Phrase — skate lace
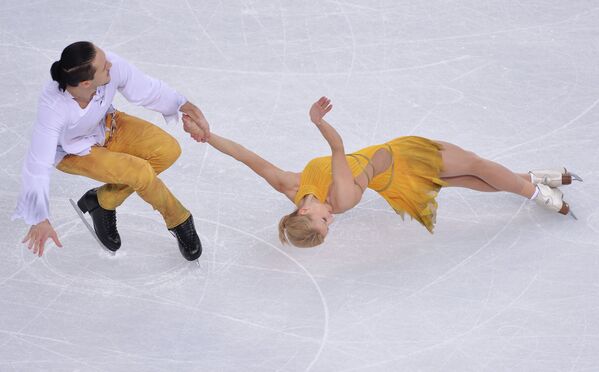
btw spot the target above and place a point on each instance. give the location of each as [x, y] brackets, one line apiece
[110, 221]
[185, 233]
[188, 233]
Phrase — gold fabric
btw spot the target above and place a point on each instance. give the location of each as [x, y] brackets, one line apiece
[410, 185]
[135, 153]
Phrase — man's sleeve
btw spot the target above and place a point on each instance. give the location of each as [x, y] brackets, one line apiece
[143, 90]
[33, 204]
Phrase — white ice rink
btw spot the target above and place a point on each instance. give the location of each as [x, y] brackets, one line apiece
[502, 285]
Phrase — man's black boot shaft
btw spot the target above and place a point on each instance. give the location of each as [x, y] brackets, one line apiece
[104, 220]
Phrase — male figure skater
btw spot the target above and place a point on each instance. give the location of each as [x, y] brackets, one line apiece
[78, 131]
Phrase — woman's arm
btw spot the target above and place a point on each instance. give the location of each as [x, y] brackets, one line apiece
[345, 193]
[282, 181]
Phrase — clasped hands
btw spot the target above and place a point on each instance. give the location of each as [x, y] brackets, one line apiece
[194, 122]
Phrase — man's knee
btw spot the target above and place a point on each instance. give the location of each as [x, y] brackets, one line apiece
[141, 176]
[170, 152]
[175, 149]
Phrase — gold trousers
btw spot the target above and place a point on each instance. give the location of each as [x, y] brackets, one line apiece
[131, 159]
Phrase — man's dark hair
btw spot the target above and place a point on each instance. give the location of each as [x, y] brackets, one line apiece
[75, 65]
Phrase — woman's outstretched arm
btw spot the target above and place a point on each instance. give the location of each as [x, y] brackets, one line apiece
[282, 181]
[345, 193]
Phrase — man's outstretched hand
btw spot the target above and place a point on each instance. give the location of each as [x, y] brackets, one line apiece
[194, 122]
[37, 236]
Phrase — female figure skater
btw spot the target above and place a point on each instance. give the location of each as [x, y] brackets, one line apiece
[407, 172]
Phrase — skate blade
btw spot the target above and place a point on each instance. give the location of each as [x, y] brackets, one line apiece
[573, 215]
[576, 177]
[566, 211]
[91, 229]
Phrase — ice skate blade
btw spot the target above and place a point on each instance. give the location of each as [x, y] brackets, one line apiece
[573, 215]
[565, 210]
[576, 177]
[91, 229]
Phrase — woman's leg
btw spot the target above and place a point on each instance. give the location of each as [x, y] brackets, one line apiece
[458, 163]
[469, 182]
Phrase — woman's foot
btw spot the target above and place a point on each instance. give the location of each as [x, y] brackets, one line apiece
[552, 199]
[553, 177]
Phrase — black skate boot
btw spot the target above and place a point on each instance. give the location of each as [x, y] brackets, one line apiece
[104, 220]
[189, 242]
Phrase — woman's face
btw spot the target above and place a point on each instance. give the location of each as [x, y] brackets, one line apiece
[320, 214]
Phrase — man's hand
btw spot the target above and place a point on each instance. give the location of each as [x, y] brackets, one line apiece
[37, 236]
[194, 131]
[194, 122]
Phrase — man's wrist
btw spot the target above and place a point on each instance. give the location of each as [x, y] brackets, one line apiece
[42, 222]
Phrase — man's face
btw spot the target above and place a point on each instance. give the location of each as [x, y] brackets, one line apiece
[102, 65]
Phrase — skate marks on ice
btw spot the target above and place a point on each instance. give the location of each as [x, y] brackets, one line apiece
[159, 273]
[234, 291]
[593, 222]
[325, 308]
[183, 291]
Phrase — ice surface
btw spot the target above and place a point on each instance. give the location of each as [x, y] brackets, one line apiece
[502, 285]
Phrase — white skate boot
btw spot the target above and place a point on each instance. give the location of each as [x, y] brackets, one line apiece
[552, 199]
[553, 177]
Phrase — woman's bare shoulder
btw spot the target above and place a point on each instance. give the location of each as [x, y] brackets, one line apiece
[290, 184]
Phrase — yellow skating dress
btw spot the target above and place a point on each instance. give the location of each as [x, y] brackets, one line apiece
[409, 185]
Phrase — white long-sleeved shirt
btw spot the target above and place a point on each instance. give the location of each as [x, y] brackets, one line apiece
[62, 127]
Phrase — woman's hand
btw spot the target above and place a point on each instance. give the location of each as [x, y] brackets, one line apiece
[193, 129]
[317, 112]
[196, 124]
[319, 109]
[37, 236]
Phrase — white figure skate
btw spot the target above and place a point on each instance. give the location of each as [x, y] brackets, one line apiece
[553, 177]
[553, 199]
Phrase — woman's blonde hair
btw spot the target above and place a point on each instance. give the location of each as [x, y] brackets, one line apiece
[297, 230]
